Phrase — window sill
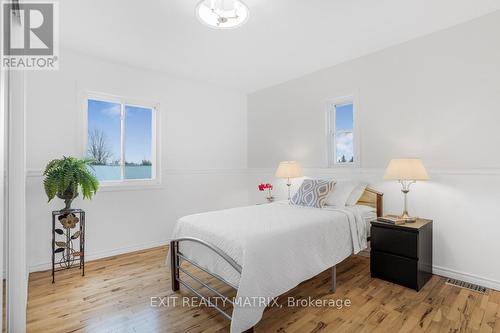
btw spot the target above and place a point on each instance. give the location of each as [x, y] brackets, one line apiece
[344, 166]
[131, 185]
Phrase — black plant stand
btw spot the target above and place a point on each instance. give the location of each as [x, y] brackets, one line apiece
[69, 230]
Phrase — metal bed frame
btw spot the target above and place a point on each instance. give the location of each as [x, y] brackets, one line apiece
[370, 197]
[176, 258]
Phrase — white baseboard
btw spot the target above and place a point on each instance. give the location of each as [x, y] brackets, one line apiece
[437, 270]
[450, 273]
[103, 254]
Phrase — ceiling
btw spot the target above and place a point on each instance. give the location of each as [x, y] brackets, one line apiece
[282, 40]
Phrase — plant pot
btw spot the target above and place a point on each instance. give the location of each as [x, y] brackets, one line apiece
[68, 197]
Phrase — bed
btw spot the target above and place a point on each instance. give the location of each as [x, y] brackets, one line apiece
[263, 251]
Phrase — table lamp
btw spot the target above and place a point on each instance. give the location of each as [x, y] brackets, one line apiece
[289, 170]
[406, 171]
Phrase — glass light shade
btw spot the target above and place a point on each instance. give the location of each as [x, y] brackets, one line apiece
[289, 169]
[406, 169]
[222, 14]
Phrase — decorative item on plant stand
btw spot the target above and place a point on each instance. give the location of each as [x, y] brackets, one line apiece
[269, 188]
[68, 253]
[64, 176]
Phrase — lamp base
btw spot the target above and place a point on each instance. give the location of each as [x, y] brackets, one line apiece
[407, 218]
[288, 184]
[405, 189]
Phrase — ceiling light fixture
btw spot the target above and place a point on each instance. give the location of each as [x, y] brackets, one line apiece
[222, 14]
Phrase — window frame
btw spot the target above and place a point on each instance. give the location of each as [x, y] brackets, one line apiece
[123, 183]
[331, 110]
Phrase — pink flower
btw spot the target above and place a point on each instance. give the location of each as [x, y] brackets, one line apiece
[266, 186]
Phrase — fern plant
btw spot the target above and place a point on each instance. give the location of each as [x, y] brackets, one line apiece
[64, 177]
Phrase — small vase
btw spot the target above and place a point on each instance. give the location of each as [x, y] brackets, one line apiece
[270, 199]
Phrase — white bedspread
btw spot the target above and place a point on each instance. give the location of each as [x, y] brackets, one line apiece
[278, 246]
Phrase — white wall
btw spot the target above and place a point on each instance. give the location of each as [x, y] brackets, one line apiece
[423, 98]
[436, 97]
[17, 282]
[203, 140]
[15, 191]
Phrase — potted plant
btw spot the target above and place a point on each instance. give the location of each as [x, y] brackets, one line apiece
[63, 178]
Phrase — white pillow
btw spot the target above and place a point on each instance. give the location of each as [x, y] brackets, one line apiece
[313, 193]
[356, 194]
[365, 210]
[296, 184]
[345, 193]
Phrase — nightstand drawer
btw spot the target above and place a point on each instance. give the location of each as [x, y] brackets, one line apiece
[395, 241]
[394, 268]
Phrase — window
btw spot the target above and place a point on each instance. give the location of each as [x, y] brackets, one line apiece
[121, 139]
[341, 133]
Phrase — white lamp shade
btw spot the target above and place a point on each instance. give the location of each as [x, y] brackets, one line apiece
[406, 169]
[289, 169]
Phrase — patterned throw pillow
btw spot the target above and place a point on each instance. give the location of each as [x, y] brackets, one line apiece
[313, 193]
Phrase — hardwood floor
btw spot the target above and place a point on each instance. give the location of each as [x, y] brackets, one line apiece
[115, 296]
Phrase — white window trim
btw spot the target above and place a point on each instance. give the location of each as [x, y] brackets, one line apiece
[126, 184]
[330, 131]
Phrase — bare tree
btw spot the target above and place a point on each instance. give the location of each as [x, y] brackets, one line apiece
[98, 148]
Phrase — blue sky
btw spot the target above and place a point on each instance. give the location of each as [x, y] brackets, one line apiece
[105, 116]
[137, 134]
[344, 122]
[344, 119]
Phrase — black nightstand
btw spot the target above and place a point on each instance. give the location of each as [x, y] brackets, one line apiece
[402, 253]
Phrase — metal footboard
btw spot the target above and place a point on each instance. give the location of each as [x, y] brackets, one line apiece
[176, 258]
